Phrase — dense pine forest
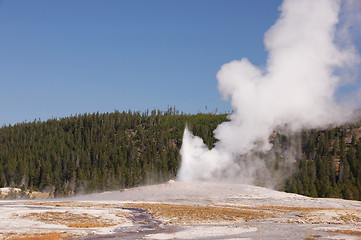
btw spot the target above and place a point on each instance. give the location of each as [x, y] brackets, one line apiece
[329, 164]
[97, 152]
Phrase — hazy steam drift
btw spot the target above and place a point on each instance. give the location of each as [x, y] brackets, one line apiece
[295, 91]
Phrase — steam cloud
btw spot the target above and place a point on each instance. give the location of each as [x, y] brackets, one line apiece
[310, 55]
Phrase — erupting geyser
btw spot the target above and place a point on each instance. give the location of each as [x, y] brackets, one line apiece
[309, 54]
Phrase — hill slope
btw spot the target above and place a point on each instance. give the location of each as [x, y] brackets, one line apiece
[98, 152]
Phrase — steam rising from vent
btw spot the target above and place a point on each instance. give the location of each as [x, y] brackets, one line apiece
[309, 54]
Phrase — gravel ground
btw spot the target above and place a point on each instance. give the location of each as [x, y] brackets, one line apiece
[177, 210]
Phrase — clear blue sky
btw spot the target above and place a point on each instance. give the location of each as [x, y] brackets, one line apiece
[61, 58]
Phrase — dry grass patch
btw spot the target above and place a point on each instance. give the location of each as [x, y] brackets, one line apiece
[43, 236]
[288, 208]
[278, 208]
[189, 214]
[40, 236]
[332, 216]
[73, 220]
[310, 215]
[328, 216]
[276, 211]
[345, 231]
[349, 217]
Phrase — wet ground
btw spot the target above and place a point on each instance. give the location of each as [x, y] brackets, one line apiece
[144, 225]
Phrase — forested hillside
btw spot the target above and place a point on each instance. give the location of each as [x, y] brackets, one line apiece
[330, 163]
[98, 152]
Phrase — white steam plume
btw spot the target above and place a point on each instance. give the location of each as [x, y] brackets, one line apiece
[295, 91]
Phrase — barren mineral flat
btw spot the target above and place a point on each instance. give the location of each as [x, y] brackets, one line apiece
[178, 210]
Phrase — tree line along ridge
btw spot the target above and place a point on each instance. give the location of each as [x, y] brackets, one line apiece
[98, 152]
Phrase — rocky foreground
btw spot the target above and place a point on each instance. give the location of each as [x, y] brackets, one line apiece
[177, 210]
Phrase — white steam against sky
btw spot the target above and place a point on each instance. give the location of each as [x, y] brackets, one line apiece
[309, 53]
